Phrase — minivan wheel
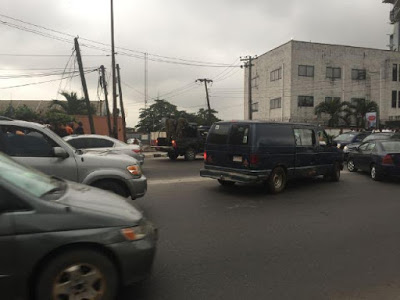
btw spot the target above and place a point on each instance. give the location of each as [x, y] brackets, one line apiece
[111, 186]
[226, 182]
[190, 154]
[374, 174]
[277, 180]
[78, 274]
[351, 166]
[334, 174]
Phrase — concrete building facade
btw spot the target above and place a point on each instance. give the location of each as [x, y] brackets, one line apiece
[394, 17]
[289, 81]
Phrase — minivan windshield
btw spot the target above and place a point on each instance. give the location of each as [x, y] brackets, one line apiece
[26, 179]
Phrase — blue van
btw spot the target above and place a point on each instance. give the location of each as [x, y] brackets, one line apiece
[270, 153]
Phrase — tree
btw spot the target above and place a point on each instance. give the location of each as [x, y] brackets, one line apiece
[334, 109]
[56, 118]
[9, 112]
[202, 117]
[73, 105]
[360, 107]
[150, 119]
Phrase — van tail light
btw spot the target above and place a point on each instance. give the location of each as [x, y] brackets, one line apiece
[387, 160]
[254, 159]
[174, 144]
[156, 142]
[136, 150]
[205, 156]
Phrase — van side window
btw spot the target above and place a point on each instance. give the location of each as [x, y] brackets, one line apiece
[323, 138]
[304, 137]
[274, 135]
[239, 135]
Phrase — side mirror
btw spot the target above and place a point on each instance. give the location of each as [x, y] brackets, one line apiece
[60, 152]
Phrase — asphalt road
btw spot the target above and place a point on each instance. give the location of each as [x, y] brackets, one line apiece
[317, 240]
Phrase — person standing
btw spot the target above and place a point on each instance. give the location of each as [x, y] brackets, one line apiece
[79, 129]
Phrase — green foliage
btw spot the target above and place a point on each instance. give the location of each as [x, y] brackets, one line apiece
[57, 118]
[25, 113]
[9, 112]
[151, 118]
[334, 109]
[360, 108]
[73, 105]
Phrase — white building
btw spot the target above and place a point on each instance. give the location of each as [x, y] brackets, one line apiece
[290, 80]
[394, 42]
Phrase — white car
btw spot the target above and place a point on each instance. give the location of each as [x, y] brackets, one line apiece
[96, 142]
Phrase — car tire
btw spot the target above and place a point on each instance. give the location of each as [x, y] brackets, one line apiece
[226, 182]
[190, 154]
[375, 174]
[351, 167]
[112, 186]
[89, 273]
[334, 174]
[277, 180]
[172, 155]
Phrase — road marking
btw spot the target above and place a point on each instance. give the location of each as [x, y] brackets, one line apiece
[178, 180]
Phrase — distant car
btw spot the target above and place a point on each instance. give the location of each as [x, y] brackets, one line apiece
[101, 142]
[135, 142]
[37, 146]
[381, 158]
[350, 137]
[63, 240]
[372, 137]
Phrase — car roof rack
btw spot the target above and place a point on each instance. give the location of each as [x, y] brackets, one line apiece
[2, 118]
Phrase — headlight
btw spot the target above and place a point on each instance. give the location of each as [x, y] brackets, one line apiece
[346, 149]
[134, 170]
[338, 145]
[134, 233]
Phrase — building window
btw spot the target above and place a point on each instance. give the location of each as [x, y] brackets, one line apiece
[329, 99]
[275, 103]
[355, 100]
[276, 74]
[333, 73]
[307, 71]
[358, 74]
[254, 107]
[305, 101]
[394, 75]
[394, 99]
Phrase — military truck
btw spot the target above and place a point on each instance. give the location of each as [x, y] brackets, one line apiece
[183, 139]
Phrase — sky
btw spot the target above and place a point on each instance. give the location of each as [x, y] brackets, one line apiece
[182, 39]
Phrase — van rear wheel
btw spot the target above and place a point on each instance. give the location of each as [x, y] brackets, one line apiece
[172, 155]
[277, 180]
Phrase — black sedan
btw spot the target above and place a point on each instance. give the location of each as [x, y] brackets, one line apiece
[371, 137]
[63, 240]
[350, 137]
[381, 158]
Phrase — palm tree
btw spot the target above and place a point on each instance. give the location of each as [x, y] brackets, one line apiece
[73, 105]
[360, 108]
[334, 109]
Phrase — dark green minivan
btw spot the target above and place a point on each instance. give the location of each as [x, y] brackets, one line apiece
[271, 153]
[63, 240]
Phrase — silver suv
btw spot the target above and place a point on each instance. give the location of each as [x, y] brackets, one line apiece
[37, 146]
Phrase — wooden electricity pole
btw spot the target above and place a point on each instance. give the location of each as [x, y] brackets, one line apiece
[84, 86]
[208, 98]
[104, 84]
[248, 64]
[114, 83]
[121, 104]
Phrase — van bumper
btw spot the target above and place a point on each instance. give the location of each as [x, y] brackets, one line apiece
[245, 176]
[137, 186]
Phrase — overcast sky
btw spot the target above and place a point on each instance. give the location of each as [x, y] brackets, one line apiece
[218, 31]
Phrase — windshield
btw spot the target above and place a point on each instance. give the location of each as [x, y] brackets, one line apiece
[379, 136]
[26, 179]
[345, 137]
[391, 146]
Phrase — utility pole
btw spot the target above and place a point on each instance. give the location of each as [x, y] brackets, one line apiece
[84, 86]
[114, 83]
[248, 64]
[104, 84]
[146, 74]
[205, 80]
[121, 104]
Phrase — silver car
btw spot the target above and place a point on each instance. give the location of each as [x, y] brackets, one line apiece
[96, 142]
[37, 146]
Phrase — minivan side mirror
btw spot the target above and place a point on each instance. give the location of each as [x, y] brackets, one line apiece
[333, 143]
[60, 152]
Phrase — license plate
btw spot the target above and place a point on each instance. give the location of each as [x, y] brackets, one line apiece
[237, 158]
